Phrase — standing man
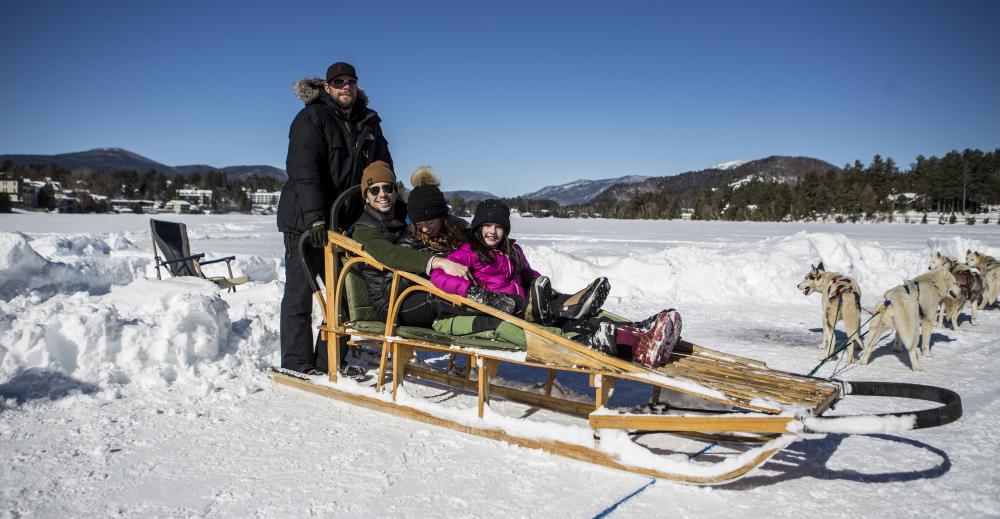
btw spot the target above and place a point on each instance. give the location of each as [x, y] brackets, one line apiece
[330, 142]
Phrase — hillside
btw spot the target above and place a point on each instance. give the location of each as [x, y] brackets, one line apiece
[580, 191]
[118, 159]
[686, 185]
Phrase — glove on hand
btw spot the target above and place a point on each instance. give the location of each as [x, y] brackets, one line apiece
[498, 300]
[317, 234]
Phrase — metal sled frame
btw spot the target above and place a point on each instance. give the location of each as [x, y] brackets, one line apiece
[769, 407]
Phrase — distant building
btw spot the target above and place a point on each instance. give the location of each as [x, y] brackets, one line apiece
[178, 207]
[261, 197]
[196, 196]
[10, 187]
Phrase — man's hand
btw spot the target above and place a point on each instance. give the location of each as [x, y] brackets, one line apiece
[317, 234]
[451, 268]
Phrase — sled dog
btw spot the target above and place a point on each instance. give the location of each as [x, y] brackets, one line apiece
[969, 281]
[910, 310]
[841, 300]
[989, 268]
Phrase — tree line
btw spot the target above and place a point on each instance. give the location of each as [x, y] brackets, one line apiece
[956, 183]
[959, 182]
[132, 185]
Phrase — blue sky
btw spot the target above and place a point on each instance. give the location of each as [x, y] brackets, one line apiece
[510, 97]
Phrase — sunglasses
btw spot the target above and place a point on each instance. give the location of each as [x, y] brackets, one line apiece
[340, 82]
[377, 190]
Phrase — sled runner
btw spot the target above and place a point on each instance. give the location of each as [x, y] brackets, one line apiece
[749, 410]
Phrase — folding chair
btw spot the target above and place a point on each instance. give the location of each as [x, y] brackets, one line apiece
[172, 240]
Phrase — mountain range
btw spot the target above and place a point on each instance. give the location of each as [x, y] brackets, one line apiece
[580, 191]
[117, 159]
[599, 192]
[470, 196]
[686, 185]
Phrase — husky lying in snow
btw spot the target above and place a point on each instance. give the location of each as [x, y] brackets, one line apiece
[969, 281]
[841, 301]
[910, 310]
[989, 268]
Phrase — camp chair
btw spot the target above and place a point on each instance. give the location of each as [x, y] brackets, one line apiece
[172, 239]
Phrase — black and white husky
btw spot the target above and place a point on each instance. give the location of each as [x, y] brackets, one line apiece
[841, 301]
[968, 280]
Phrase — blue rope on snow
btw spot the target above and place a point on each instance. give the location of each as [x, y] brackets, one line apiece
[703, 451]
[612, 508]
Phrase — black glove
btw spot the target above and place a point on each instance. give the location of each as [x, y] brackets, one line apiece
[317, 234]
[498, 300]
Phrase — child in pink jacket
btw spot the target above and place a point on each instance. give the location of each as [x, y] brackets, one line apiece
[502, 278]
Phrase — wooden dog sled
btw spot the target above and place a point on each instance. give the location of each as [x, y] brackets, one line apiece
[753, 410]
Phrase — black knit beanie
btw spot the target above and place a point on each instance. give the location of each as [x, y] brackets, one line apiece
[491, 211]
[426, 203]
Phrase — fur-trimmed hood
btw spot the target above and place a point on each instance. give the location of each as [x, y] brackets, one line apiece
[309, 89]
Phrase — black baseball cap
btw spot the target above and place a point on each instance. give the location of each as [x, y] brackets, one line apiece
[340, 69]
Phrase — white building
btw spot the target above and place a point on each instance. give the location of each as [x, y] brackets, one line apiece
[196, 196]
[178, 207]
[10, 188]
[261, 197]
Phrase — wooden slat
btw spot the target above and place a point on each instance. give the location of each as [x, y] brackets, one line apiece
[765, 382]
[753, 373]
[751, 424]
[728, 383]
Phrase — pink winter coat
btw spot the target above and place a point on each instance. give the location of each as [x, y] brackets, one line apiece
[496, 276]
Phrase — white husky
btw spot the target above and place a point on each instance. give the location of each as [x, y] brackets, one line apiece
[989, 268]
[969, 281]
[910, 309]
[841, 301]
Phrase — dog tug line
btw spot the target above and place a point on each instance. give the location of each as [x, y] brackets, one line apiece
[752, 410]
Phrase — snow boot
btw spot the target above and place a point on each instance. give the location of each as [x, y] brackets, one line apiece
[582, 305]
[655, 343]
[603, 339]
[539, 298]
[498, 300]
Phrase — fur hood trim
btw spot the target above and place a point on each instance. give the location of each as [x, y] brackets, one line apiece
[308, 90]
[424, 176]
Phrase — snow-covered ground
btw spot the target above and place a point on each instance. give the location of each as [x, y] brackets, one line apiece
[124, 395]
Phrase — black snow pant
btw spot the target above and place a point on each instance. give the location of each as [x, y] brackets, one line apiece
[297, 351]
[422, 309]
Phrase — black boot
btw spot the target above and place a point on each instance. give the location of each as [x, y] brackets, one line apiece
[539, 299]
[582, 305]
[498, 300]
[603, 339]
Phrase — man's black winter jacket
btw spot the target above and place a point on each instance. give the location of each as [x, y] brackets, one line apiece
[327, 151]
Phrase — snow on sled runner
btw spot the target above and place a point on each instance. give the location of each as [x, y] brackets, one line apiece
[751, 411]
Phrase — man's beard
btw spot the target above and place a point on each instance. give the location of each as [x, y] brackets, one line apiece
[345, 104]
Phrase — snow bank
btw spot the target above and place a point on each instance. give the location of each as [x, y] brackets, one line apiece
[24, 271]
[151, 332]
[758, 272]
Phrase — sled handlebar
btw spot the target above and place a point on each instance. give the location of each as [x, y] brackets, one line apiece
[334, 224]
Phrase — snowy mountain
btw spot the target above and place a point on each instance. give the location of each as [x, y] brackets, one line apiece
[729, 165]
[686, 185]
[580, 191]
[118, 159]
[470, 196]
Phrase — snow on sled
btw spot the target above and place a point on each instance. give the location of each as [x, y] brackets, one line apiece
[745, 412]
